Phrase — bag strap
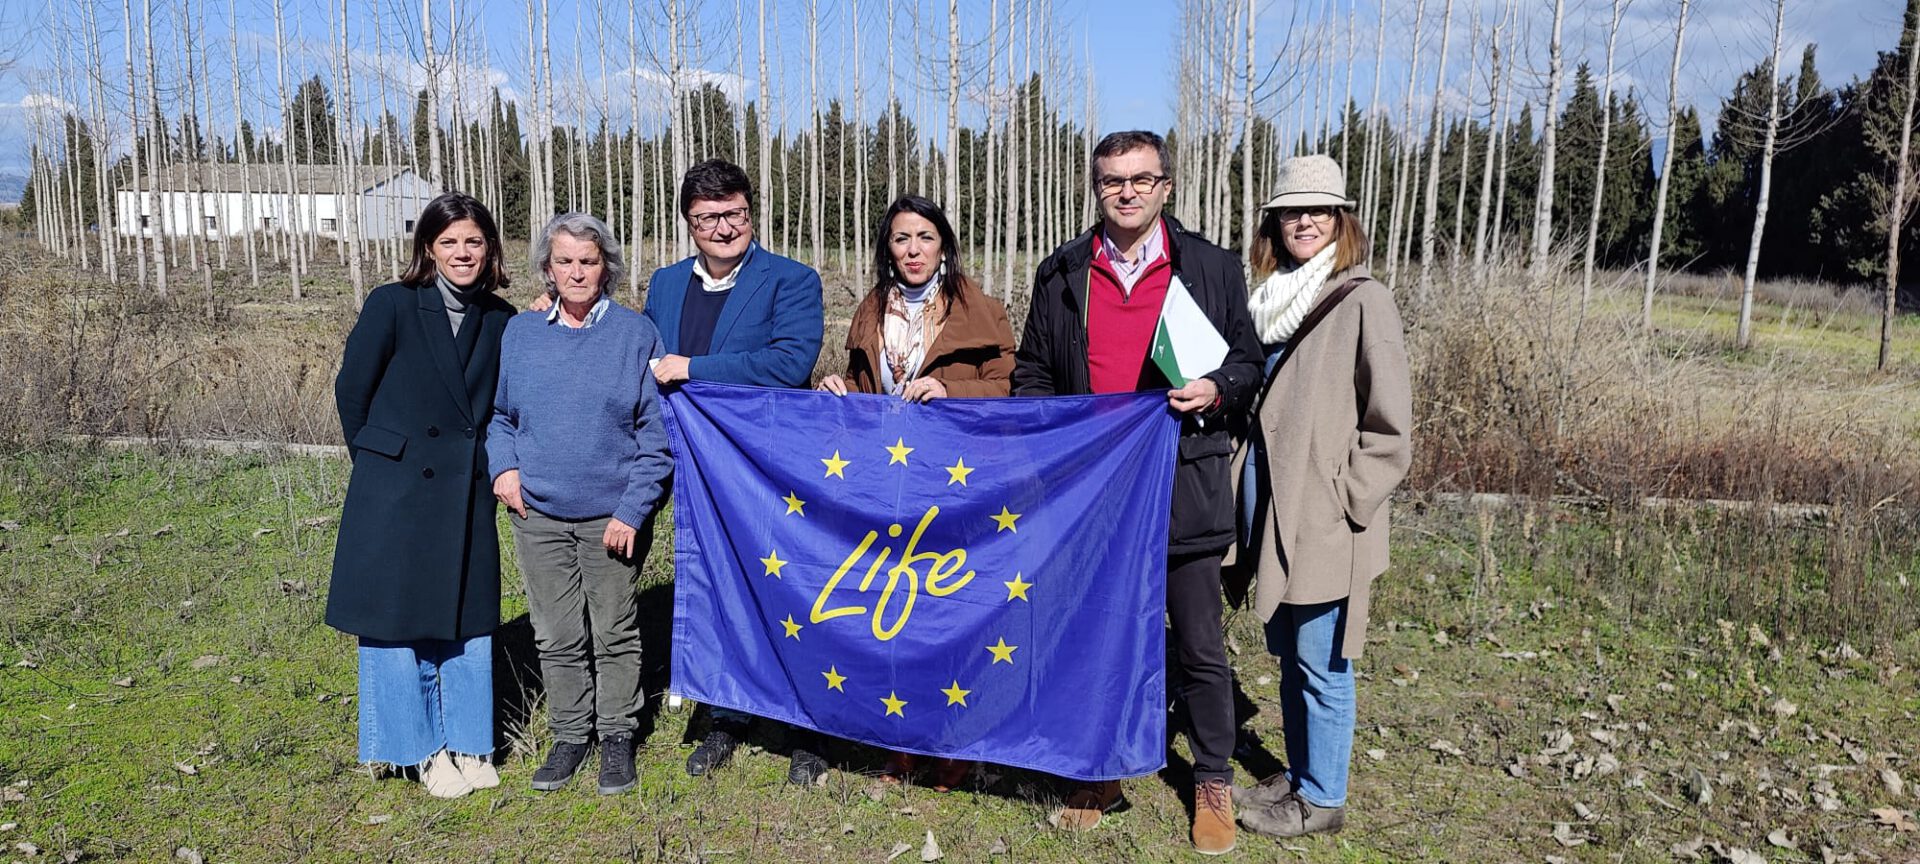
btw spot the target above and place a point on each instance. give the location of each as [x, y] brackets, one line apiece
[1320, 311]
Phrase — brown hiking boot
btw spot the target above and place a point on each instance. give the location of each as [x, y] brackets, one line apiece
[1213, 830]
[1293, 816]
[1084, 807]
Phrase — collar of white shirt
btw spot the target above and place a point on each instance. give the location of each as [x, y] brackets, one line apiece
[1151, 249]
[708, 283]
[594, 315]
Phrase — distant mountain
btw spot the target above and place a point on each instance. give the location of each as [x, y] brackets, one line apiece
[12, 186]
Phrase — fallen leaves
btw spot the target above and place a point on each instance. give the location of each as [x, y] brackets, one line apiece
[930, 850]
[1444, 746]
[1782, 708]
[1891, 779]
[1894, 818]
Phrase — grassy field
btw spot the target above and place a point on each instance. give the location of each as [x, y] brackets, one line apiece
[1528, 695]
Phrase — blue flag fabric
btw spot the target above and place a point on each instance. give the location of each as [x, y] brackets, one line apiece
[975, 578]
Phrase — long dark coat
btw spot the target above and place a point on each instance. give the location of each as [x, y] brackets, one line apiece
[1052, 360]
[418, 555]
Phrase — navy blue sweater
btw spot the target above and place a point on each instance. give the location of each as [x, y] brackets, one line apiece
[577, 412]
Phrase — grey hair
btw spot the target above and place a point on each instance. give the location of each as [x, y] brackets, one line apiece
[580, 226]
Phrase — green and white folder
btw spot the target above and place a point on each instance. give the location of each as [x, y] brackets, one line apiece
[1185, 344]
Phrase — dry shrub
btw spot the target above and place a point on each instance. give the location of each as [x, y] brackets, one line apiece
[1516, 393]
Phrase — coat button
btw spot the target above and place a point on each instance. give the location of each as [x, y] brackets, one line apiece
[427, 473]
[469, 431]
[433, 431]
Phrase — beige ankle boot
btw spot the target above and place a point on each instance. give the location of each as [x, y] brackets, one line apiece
[442, 779]
[477, 771]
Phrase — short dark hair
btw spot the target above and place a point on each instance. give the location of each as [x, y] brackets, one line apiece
[442, 212]
[714, 180]
[1116, 143]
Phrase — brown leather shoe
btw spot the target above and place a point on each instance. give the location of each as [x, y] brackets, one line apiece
[1084, 807]
[1293, 816]
[1213, 830]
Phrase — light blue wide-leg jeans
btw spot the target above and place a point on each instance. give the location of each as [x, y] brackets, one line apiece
[419, 698]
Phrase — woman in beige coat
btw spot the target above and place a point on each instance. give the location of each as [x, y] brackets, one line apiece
[1330, 442]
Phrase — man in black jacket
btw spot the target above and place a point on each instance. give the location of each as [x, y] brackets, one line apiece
[1096, 304]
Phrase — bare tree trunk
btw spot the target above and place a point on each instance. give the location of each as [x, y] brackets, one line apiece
[953, 101]
[1466, 142]
[1600, 165]
[133, 152]
[1405, 156]
[1436, 144]
[639, 170]
[893, 123]
[1010, 218]
[1666, 173]
[766, 106]
[992, 268]
[1496, 131]
[858, 128]
[1766, 179]
[103, 193]
[296, 257]
[1370, 184]
[350, 191]
[156, 138]
[435, 175]
[1549, 141]
[816, 207]
[1897, 218]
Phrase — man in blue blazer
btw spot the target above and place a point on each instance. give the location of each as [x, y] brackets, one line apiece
[739, 314]
[734, 312]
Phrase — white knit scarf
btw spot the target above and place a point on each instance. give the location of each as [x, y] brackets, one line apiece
[1282, 300]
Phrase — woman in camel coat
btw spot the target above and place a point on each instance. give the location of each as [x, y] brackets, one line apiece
[1332, 439]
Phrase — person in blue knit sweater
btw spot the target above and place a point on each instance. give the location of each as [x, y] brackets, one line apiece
[579, 454]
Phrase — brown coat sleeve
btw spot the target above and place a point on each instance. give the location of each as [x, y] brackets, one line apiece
[995, 376]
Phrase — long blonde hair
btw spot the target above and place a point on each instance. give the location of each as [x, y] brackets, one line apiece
[1269, 250]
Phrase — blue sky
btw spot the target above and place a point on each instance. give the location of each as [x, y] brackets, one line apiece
[1130, 46]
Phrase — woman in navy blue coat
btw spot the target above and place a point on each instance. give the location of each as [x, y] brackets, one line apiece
[416, 572]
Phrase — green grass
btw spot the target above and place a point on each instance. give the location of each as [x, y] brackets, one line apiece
[216, 622]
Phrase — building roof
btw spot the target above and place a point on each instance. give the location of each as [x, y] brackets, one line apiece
[266, 177]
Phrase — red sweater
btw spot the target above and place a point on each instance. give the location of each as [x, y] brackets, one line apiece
[1120, 327]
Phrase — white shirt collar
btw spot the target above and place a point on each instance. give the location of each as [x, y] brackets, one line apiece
[708, 283]
[594, 315]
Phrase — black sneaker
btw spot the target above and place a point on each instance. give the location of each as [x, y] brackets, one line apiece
[563, 761]
[616, 764]
[806, 768]
[712, 752]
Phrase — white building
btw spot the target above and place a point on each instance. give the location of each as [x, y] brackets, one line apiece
[390, 198]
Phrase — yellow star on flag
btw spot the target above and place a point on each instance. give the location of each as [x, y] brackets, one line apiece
[894, 703]
[1001, 652]
[773, 564]
[1004, 518]
[794, 504]
[836, 465]
[899, 452]
[1018, 588]
[958, 472]
[835, 679]
[955, 695]
[793, 629]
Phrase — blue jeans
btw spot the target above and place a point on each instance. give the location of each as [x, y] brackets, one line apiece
[419, 698]
[1316, 698]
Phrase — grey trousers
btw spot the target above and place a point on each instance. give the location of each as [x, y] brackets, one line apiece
[578, 591]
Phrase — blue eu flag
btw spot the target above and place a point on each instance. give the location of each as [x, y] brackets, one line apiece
[975, 578]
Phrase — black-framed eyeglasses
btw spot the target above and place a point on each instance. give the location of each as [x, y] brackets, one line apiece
[1293, 215]
[737, 217]
[1142, 184]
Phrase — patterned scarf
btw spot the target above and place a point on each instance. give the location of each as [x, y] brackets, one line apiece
[906, 333]
[1283, 299]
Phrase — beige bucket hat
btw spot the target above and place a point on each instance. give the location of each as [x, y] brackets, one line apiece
[1310, 181]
